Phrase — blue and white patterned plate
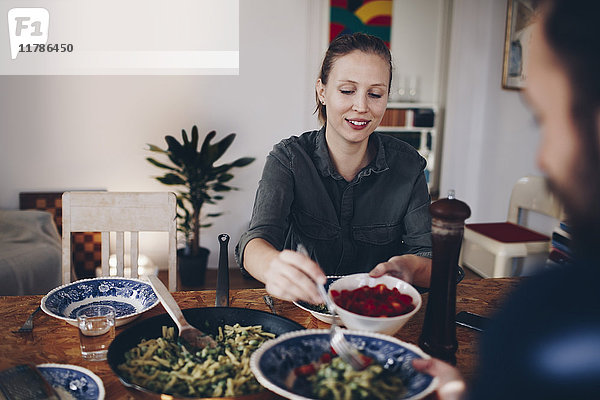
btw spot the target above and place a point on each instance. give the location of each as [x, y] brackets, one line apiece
[79, 382]
[275, 359]
[130, 297]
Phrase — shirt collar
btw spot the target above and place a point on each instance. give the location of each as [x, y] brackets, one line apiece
[325, 165]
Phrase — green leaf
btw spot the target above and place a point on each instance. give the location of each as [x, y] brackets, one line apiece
[171, 179]
[157, 149]
[173, 145]
[205, 149]
[217, 187]
[242, 162]
[160, 165]
[175, 151]
[185, 153]
[221, 169]
[224, 177]
[195, 138]
[221, 147]
[181, 197]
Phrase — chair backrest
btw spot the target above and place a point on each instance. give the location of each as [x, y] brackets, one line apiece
[119, 212]
[531, 193]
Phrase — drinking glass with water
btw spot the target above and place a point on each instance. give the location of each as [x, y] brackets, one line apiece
[96, 331]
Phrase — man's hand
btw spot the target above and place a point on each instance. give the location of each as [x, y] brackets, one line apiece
[451, 386]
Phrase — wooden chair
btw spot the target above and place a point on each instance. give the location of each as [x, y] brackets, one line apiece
[108, 212]
[490, 248]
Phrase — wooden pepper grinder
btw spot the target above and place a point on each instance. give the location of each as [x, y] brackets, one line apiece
[438, 337]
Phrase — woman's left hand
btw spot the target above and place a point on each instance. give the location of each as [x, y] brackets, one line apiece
[409, 267]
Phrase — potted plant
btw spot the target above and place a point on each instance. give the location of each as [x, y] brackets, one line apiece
[203, 183]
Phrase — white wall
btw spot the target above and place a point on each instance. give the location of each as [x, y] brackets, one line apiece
[60, 133]
[490, 140]
[416, 46]
[78, 132]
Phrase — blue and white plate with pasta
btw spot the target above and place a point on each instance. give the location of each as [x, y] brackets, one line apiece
[301, 366]
[73, 381]
[130, 298]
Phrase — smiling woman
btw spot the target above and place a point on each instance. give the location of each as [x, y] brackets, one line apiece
[354, 198]
[355, 98]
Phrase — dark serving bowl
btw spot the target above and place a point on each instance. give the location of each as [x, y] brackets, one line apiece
[207, 319]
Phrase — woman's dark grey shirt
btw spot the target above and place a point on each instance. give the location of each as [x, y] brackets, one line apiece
[347, 227]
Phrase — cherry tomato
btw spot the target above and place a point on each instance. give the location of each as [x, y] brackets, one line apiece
[325, 358]
[305, 370]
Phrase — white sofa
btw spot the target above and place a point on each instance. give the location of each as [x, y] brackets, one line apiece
[30, 252]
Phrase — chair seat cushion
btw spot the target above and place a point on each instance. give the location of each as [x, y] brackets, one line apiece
[507, 232]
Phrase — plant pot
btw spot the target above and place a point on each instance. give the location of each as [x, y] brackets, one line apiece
[192, 269]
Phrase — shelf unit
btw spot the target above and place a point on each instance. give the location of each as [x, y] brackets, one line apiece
[416, 124]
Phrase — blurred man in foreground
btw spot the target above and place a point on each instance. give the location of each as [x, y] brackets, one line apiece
[545, 342]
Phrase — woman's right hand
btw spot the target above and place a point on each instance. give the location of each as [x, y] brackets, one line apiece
[291, 276]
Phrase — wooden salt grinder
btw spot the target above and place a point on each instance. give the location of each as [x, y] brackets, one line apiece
[438, 337]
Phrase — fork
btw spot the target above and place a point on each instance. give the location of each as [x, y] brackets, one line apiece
[269, 301]
[342, 347]
[338, 341]
[28, 325]
[345, 349]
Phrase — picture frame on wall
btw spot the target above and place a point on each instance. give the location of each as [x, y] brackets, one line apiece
[519, 24]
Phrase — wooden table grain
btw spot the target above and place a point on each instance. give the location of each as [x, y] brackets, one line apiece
[55, 341]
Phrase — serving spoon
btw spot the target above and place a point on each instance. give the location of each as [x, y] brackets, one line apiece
[191, 338]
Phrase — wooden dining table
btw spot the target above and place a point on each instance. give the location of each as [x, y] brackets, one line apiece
[55, 341]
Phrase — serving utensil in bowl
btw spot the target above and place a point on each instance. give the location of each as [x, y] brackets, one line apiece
[210, 319]
[190, 337]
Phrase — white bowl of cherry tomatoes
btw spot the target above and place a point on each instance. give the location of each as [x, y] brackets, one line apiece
[382, 304]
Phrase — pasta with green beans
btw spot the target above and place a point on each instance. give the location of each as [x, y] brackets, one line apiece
[162, 365]
[337, 380]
